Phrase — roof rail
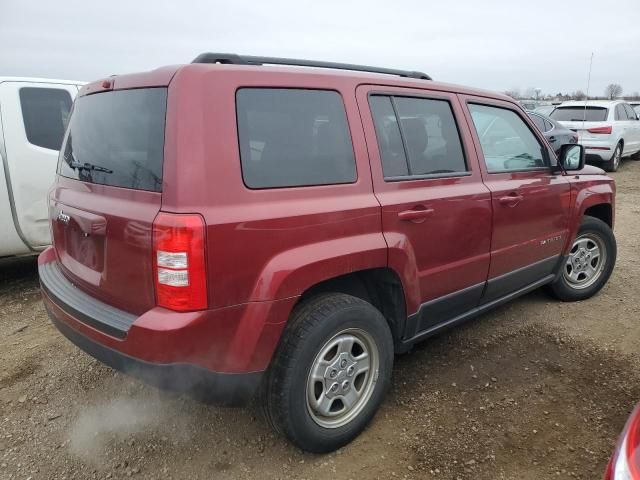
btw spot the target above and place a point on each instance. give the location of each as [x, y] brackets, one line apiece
[234, 59]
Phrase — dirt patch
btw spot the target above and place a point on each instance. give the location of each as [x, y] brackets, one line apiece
[531, 401]
[536, 389]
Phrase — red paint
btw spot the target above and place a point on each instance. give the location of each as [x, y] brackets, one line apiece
[264, 248]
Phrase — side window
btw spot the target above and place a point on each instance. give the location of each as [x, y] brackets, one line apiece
[431, 137]
[394, 161]
[506, 141]
[424, 142]
[539, 121]
[45, 112]
[620, 113]
[293, 137]
[548, 126]
[631, 115]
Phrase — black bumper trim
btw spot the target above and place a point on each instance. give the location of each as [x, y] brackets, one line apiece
[221, 388]
[81, 306]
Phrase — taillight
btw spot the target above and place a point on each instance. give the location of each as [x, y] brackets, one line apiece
[605, 130]
[179, 262]
[625, 463]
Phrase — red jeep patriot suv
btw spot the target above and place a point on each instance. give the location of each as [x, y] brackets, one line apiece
[240, 229]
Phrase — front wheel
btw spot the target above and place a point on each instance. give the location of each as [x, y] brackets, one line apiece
[589, 264]
[330, 372]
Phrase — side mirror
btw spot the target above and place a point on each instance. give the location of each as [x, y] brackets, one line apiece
[572, 156]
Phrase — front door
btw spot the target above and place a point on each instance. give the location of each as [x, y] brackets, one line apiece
[436, 212]
[34, 117]
[531, 204]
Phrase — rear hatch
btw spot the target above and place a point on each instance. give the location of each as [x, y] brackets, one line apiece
[589, 122]
[108, 193]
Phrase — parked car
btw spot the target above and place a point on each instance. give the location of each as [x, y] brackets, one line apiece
[529, 104]
[636, 108]
[609, 130]
[625, 462]
[557, 135]
[33, 113]
[545, 110]
[243, 230]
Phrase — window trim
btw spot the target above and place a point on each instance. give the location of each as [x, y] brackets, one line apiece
[24, 124]
[545, 150]
[430, 96]
[281, 87]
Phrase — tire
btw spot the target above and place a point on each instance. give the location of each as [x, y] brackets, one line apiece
[290, 405]
[613, 164]
[575, 280]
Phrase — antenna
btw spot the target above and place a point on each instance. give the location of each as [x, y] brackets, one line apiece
[586, 98]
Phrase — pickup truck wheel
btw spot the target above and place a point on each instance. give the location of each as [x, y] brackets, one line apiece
[589, 263]
[613, 164]
[330, 373]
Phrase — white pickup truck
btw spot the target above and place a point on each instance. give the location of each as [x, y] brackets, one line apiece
[33, 118]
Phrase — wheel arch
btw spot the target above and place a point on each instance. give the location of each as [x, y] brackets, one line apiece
[601, 211]
[382, 287]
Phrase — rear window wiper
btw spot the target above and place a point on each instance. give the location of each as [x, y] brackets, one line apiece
[89, 166]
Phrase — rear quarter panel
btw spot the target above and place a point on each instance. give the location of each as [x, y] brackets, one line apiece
[264, 244]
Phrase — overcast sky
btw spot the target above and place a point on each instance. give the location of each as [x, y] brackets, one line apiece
[494, 44]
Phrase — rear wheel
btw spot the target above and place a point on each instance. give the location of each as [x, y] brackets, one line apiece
[330, 372]
[613, 164]
[589, 264]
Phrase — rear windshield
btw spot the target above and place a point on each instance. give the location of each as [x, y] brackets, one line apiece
[117, 138]
[579, 114]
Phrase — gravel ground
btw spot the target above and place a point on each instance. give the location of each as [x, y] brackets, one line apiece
[536, 389]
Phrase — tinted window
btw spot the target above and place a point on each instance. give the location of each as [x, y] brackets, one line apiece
[507, 143]
[620, 113]
[539, 121]
[578, 114]
[117, 138]
[292, 137]
[548, 126]
[394, 162]
[431, 136]
[45, 112]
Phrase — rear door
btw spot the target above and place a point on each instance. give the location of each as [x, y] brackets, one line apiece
[632, 134]
[108, 194]
[436, 212]
[531, 205]
[34, 118]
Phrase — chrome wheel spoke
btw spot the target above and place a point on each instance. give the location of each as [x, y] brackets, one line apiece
[323, 404]
[319, 369]
[574, 275]
[362, 364]
[350, 398]
[346, 345]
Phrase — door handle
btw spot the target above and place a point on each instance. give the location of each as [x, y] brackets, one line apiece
[511, 200]
[415, 215]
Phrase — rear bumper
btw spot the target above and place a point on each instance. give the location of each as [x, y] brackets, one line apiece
[221, 352]
[222, 388]
[598, 156]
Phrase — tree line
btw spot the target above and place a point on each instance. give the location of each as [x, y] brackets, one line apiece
[612, 91]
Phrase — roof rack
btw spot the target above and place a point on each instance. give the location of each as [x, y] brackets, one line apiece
[234, 59]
